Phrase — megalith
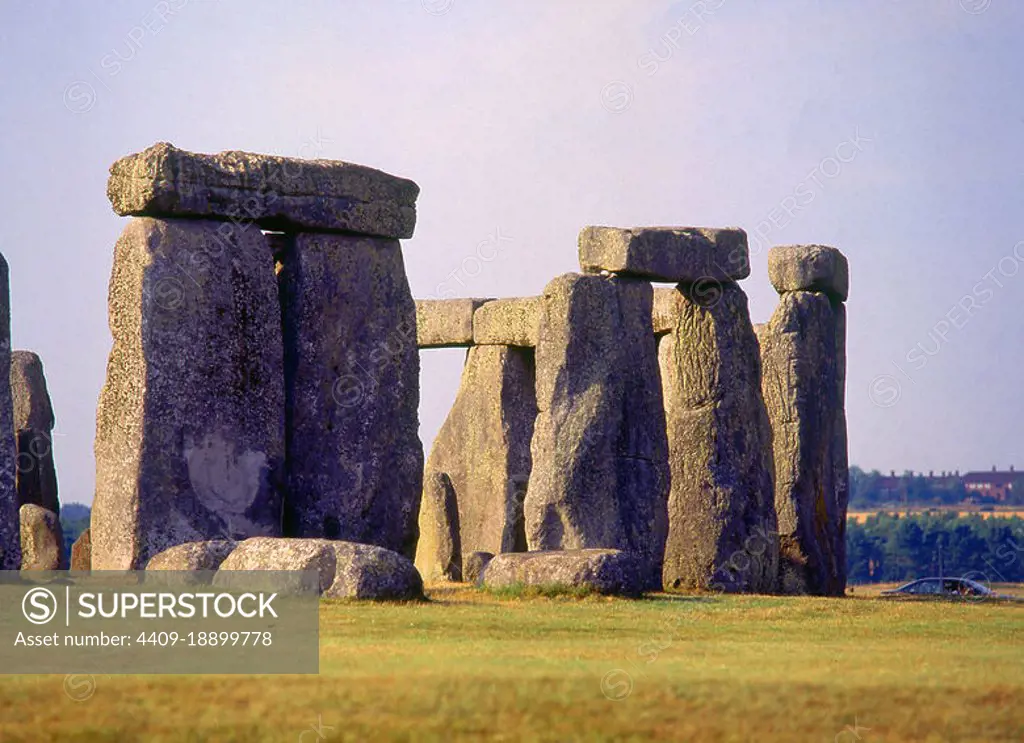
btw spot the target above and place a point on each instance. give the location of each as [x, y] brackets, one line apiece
[803, 354]
[10, 532]
[439, 551]
[721, 507]
[351, 370]
[81, 552]
[483, 448]
[190, 422]
[36, 477]
[42, 540]
[599, 449]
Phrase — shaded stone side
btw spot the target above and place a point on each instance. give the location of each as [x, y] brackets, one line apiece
[355, 461]
[36, 476]
[10, 532]
[801, 386]
[600, 454]
[190, 423]
[840, 454]
[721, 510]
[484, 449]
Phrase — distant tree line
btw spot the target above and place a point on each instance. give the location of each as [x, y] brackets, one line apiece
[892, 548]
[869, 490]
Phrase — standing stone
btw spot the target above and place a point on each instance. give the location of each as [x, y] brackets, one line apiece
[721, 509]
[438, 552]
[801, 390]
[33, 423]
[355, 461]
[190, 423]
[600, 454]
[484, 449]
[81, 552]
[42, 540]
[10, 533]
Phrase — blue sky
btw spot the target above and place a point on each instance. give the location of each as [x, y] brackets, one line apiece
[892, 129]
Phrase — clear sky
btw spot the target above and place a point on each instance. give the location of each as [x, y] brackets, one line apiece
[892, 129]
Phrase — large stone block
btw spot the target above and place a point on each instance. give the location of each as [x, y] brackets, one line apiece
[507, 322]
[193, 556]
[346, 570]
[42, 540]
[799, 351]
[445, 323]
[273, 192]
[676, 254]
[355, 461]
[81, 552]
[483, 447]
[809, 268]
[36, 476]
[439, 551]
[604, 571]
[600, 454]
[190, 422]
[721, 510]
[10, 533]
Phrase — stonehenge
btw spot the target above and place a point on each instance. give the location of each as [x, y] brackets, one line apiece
[263, 380]
[260, 410]
[804, 359]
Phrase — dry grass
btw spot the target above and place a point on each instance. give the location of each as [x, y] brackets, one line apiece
[473, 666]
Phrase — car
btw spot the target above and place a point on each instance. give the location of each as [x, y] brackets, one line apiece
[959, 588]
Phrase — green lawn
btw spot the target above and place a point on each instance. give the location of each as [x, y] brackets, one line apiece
[471, 666]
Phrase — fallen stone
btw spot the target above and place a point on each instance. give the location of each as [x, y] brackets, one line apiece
[599, 448]
[722, 530]
[802, 394]
[10, 535]
[483, 447]
[507, 322]
[355, 461]
[604, 571]
[193, 556]
[42, 540]
[473, 566]
[439, 550]
[81, 552]
[445, 323]
[809, 268]
[273, 192]
[676, 254]
[190, 422]
[346, 570]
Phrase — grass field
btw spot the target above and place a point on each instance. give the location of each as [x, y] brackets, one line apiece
[471, 666]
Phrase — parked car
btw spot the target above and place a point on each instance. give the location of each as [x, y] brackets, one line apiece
[961, 588]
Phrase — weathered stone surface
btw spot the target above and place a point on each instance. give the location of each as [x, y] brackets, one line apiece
[473, 566]
[355, 461]
[676, 254]
[42, 540]
[721, 510]
[802, 393]
[840, 454]
[36, 477]
[273, 192]
[190, 423]
[439, 550]
[809, 268]
[665, 310]
[600, 454]
[507, 322]
[445, 323]
[346, 570]
[10, 535]
[81, 551]
[604, 571]
[484, 448]
[193, 556]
